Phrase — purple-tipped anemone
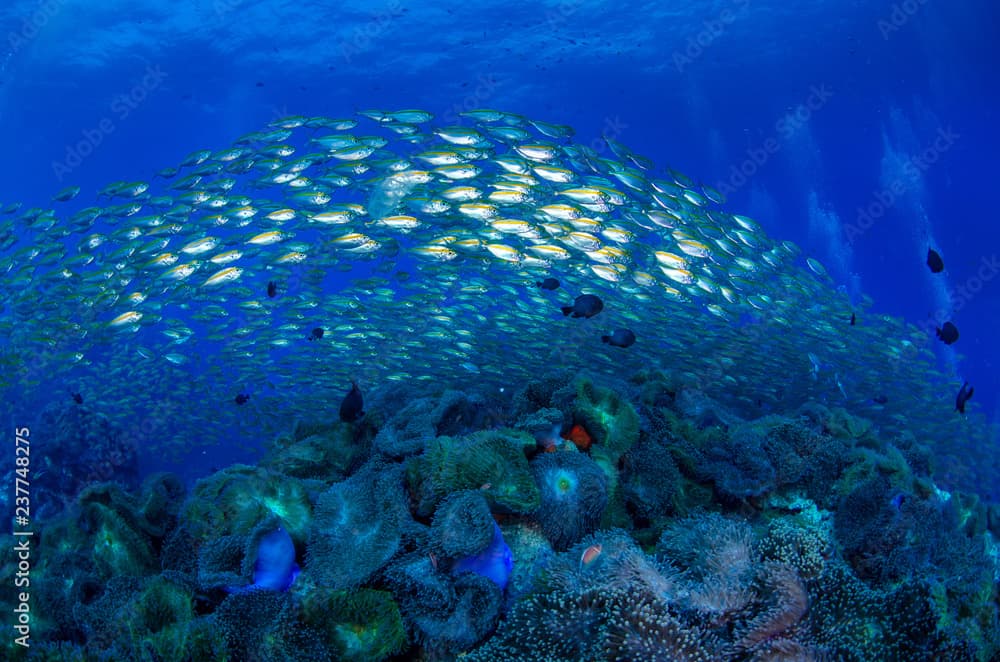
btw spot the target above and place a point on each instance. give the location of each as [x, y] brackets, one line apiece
[495, 562]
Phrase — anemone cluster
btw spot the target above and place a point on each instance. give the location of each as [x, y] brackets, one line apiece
[570, 521]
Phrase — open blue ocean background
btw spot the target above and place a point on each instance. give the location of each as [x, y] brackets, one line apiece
[865, 131]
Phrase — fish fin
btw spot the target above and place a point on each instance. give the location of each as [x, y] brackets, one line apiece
[566, 310]
[605, 338]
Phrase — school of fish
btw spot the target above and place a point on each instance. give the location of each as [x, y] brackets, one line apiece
[391, 247]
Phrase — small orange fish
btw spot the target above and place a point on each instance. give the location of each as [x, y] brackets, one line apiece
[590, 555]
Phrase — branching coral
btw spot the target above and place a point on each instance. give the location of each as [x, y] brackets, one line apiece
[573, 496]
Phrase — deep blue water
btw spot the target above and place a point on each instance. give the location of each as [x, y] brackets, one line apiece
[863, 131]
[819, 104]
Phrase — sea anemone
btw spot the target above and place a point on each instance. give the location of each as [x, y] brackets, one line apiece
[645, 629]
[651, 481]
[573, 495]
[363, 625]
[492, 461]
[238, 498]
[450, 615]
[358, 526]
[609, 419]
[462, 524]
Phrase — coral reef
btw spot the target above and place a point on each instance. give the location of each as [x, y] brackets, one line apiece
[237, 499]
[573, 496]
[492, 461]
[494, 562]
[329, 454]
[651, 483]
[607, 417]
[594, 528]
[119, 545]
[418, 421]
[79, 447]
[262, 625]
[357, 626]
[448, 615]
[462, 525]
[358, 526]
